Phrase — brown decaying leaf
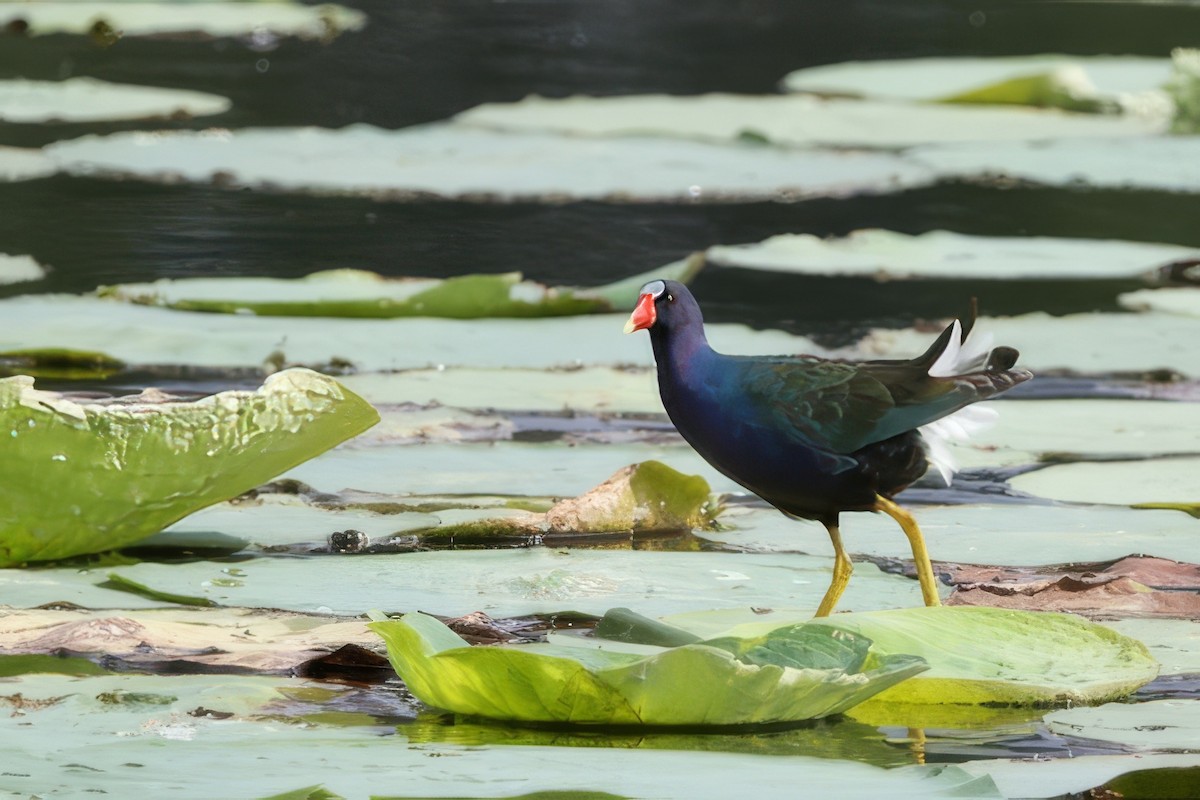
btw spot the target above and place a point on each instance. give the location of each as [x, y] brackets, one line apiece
[1134, 586]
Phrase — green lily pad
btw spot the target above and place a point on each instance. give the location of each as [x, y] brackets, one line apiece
[1127, 483]
[357, 293]
[1184, 89]
[147, 336]
[23, 164]
[1157, 724]
[204, 19]
[1184, 300]
[1076, 83]
[18, 269]
[91, 100]
[888, 255]
[769, 679]
[90, 477]
[451, 160]
[981, 655]
[799, 121]
[1088, 344]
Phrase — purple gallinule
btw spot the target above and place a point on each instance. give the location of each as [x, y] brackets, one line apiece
[816, 437]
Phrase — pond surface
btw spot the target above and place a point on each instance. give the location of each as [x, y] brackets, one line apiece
[487, 417]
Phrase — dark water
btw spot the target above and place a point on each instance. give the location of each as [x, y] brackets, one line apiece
[424, 60]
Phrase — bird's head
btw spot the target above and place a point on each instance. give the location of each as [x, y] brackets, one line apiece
[665, 305]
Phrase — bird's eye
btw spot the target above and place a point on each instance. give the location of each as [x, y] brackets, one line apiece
[670, 298]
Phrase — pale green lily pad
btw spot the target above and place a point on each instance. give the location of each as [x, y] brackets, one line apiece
[1158, 724]
[1184, 301]
[500, 582]
[357, 293]
[457, 161]
[1124, 483]
[1089, 344]
[788, 675]
[795, 120]
[887, 255]
[1077, 83]
[1174, 643]
[588, 389]
[1184, 90]
[86, 477]
[142, 335]
[23, 164]
[18, 269]
[213, 19]
[1149, 162]
[91, 100]
[1064, 777]
[999, 535]
[990, 655]
[270, 757]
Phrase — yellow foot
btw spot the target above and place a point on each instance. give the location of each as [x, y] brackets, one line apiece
[842, 568]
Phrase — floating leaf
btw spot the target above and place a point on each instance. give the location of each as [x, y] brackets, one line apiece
[145, 336]
[29, 664]
[1128, 483]
[123, 584]
[22, 164]
[741, 682]
[18, 269]
[888, 255]
[207, 19]
[1078, 83]
[58, 363]
[457, 161]
[649, 496]
[357, 293]
[87, 477]
[982, 655]
[91, 100]
[1157, 724]
[1184, 301]
[794, 120]
[1088, 344]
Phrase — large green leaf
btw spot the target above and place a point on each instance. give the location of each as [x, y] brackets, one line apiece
[773, 678]
[86, 477]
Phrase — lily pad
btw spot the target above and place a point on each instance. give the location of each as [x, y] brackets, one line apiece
[357, 293]
[210, 19]
[980, 655]
[1157, 724]
[1087, 344]
[771, 679]
[1075, 83]
[1149, 162]
[144, 336]
[96, 476]
[91, 100]
[887, 255]
[59, 363]
[23, 164]
[1018, 535]
[795, 120]
[18, 269]
[649, 496]
[1184, 301]
[1126, 483]
[457, 161]
[1065, 777]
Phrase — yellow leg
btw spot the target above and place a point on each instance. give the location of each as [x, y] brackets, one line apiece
[917, 542]
[842, 568]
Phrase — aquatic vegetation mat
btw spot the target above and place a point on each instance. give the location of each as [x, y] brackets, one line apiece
[87, 476]
[787, 675]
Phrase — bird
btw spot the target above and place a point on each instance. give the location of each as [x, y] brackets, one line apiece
[815, 437]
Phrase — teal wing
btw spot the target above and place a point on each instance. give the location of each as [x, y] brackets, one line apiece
[842, 406]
